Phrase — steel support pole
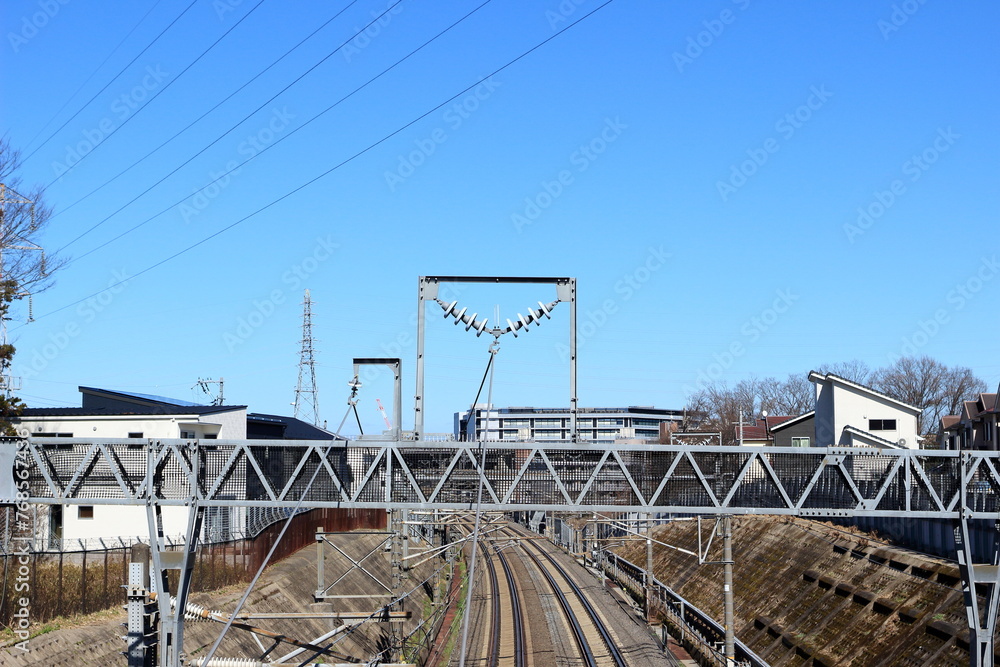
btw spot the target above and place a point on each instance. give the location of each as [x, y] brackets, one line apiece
[649, 570]
[418, 399]
[572, 362]
[727, 564]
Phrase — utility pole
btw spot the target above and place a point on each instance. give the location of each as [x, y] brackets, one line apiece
[727, 582]
[203, 385]
[9, 241]
[306, 391]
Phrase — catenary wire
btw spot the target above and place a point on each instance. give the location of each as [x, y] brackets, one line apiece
[113, 79]
[255, 155]
[202, 116]
[159, 92]
[227, 132]
[335, 167]
[96, 70]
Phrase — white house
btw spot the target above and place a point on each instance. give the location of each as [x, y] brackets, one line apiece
[115, 414]
[852, 415]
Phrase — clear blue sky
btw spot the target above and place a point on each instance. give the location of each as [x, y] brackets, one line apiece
[740, 188]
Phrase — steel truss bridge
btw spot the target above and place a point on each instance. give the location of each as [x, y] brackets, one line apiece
[820, 482]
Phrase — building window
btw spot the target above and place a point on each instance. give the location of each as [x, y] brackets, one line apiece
[881, 424]
[800, 442]
[189, 435]
[85, 512]
[135, 434]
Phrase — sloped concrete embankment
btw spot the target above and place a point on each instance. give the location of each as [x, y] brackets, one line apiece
[287, 586]
[808, 593]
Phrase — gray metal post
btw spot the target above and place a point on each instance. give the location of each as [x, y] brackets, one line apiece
[418, 400]
[572, 362]
[727, 564]
[982, 622]
[649, 570]
[137, 650]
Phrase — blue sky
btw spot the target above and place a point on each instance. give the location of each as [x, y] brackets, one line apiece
[740, 188]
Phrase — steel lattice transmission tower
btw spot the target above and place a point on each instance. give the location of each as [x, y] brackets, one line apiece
[306, 391]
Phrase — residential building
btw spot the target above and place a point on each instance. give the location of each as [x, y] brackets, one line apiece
[592, 424]
[108, 414]
[977, 427]
[778, 431]
[849, 414]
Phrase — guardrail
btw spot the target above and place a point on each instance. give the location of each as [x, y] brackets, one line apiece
[698, 632]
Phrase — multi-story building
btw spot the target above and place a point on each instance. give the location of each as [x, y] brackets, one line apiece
[592, 424]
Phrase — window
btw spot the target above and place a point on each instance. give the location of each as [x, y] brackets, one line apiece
[188, 435]
[800, 442]
[881, 424]
[135, 434]
[85, 512]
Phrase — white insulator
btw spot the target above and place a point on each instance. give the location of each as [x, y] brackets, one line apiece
[511, 327]
[546, 309]
[458, 317]
[520, 318]
[449, 308]
[471, 321]
[481, 328]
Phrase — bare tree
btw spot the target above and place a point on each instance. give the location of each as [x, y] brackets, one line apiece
[854, 370]
[928, 384]
[24, 218]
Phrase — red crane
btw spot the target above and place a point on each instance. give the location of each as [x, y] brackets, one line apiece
[384, 416]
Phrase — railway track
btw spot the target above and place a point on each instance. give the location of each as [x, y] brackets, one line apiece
[503, 639]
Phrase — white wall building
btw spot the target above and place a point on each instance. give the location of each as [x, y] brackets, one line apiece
[592, 424]
[849, 414]
[111, 414]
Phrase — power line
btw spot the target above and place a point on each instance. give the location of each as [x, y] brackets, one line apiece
[159, 92]
[199, 118]
[227, 132]
[255, 155]
[335, 167]
[96, 70]
[113, 79]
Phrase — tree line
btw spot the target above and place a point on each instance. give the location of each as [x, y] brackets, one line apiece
[921, 381]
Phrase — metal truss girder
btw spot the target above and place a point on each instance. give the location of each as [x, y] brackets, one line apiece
[832, 482]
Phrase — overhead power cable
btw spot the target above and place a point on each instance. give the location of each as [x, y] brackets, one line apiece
[335, 167]
[159, 92]
[257, 154]
[113, 79]
[96, 70]
[199, 118]
[231, 129]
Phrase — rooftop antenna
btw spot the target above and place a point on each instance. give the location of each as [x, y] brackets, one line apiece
[306, 391]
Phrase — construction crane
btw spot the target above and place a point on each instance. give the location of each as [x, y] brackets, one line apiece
[388, 424]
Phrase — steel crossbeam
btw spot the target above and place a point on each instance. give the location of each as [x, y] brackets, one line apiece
[525, 476]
